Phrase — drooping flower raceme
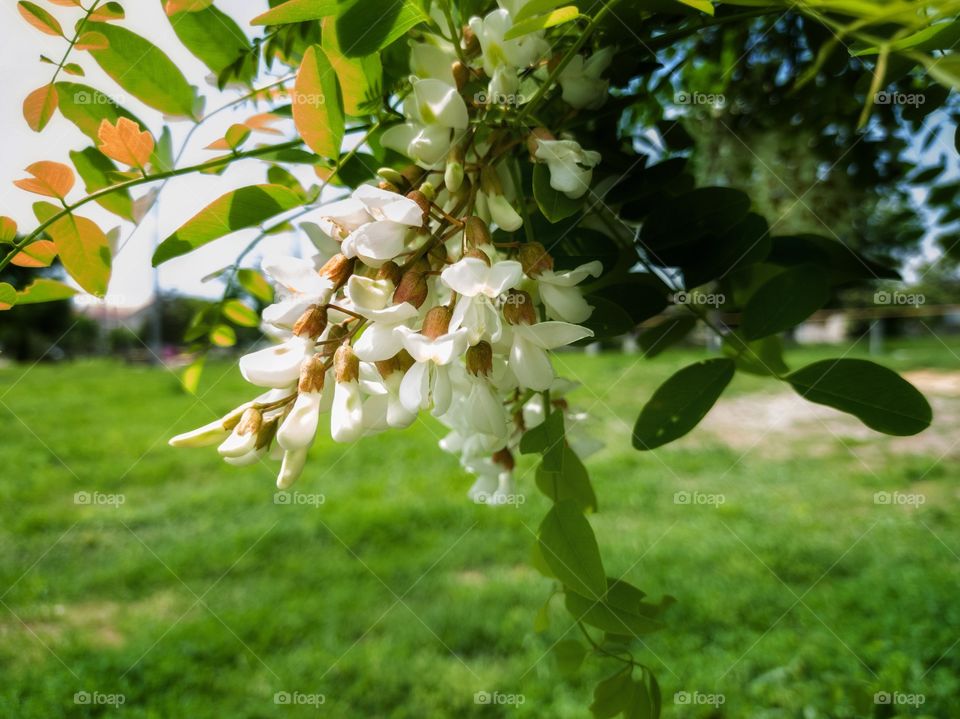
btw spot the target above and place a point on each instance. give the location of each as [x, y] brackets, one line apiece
[415, 301]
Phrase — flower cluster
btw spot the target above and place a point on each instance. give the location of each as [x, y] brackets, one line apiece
[410, 305]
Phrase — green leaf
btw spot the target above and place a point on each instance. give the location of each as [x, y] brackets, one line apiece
[254, 283]
[702, 5]
[681, 402]
[223, 336]
[191, 375]
[542, 22]
[554, 205]
[317, 112]
[541, 622]
[544, 436]
[570, 481]
[298, 11]
[945, 69]
[143, 70]
[681, 221]
[361, 78]
[236, 210]
[97, 170]
[87, 107]
[240, 314]
[535, 7]
[655, 340]
[83, 248]
[569, 655]
[370, 25]
[621, 611]
[8, 296]
[640, 705]
[612, 695]
[762, 357]
[40, 18]
[570, 549]
[607, 320]
[214, 38]
[877, 396]
[44, 290]
[784, 301]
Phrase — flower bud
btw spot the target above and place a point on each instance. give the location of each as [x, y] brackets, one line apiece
[490, 181]
[478, 255]
[389, 271]
[312, 323]
[388, 186]
[503, 214]
[336, 333]
[338, 270]
[535, 259]
[453, 175]
[437, 322]
[421, 200]
[480, 359]
[476, 232]
[411, 175]
[388, 366]
[533, 139]
[243, 439]
[292, 467]
[428, 190]
[312, 373]
[392, 176]
[471, 44]
[413, 286]
[461, 75]
[518, 308]
[504, 458]
[346, 366]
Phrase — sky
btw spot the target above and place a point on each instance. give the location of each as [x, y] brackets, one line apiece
[132, 283]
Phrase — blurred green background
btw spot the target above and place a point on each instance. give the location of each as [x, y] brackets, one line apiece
[200, 596]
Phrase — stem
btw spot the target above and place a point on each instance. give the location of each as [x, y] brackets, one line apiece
[73, 40]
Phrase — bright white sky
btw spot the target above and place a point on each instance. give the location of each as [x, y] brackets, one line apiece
[132, 284]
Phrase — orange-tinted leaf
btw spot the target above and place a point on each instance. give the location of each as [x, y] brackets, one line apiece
[36, 254]
[92, 41]
[52, 179]
[40, 18]
[172, 7]
[44, 290]
[108, 12]
[236, 136]
[263, 123]
[84, 250]
[8, 229]
[66, 3]
[72, 68]
[316, 104]
[39, 107]
[8, 296]
[125, 142]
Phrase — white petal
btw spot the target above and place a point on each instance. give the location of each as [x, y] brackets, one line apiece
[203, 436]
[346, 414]
[381, 240]
[378, 342]
[440, 103]
[503, 214]
[296, 275]
[292, 467]
[441, 390]
[530, 364]
[565, 303]
[237, 445]
[300, 426]
[467, 277]
[348, 214]
[400, 137]
[247, 459]
[277, 366]
[387, 205]
[550, 335]
[367, 293]
[430, 145]
[415, 387]
[574, 276]
[284, 314]
[503, 276]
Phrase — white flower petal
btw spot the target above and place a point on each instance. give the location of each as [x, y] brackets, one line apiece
[299, 428]
[346, 414]
[277, 366]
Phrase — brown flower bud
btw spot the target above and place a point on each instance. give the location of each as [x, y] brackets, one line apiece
[404, 360]
[249, 422]
[388, 366]
[535, 259]
[461, 75]
[388, 186]
[437, 322]
[334, 336]
[470, 42]
[346, 366]
[412, 174]
[518, 308]
[533, 139]
[504, 458]
[422, 201]
[489, 181]
[477, 255]
[413, 286]
[480, 359]
[392, 176]
[268, 430]
[338, 270]
[389, 271]
[476, 232]
[312, 373]
[312, 323]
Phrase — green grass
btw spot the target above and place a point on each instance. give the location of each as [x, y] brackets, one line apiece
[397, 597]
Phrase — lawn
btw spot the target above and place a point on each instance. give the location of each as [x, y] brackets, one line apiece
[189, 591]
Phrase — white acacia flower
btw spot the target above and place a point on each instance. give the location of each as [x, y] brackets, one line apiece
[383, 237]
[560, 295]
[494, 485]
[299, 427]
[478, 285]
[428, 380]
[299, 285]
[571, 167]
[436, 114]
[433, 59]
[581, 82]
[528, 352]
[292, 467]
[373, 300]
[517, 53]
[346, 414]
[325, 245]
[279, 365]
[498, 210]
